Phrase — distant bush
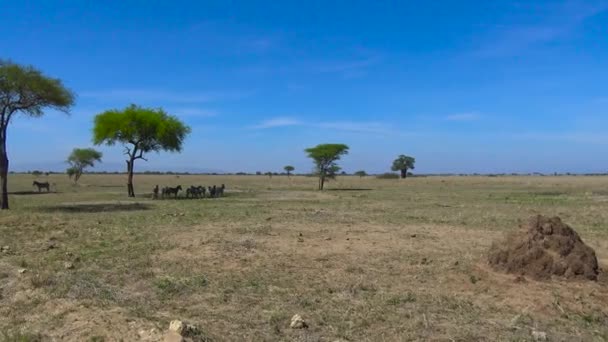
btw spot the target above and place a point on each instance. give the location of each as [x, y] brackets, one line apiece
[388, 175]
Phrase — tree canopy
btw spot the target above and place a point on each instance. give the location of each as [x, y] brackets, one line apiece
[26, 90]
[140, 130]
[325, 157]
[289, 169]
[402, 164]
[360, 173]
[80, 159]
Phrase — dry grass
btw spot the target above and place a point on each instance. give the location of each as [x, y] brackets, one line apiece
[367, 260]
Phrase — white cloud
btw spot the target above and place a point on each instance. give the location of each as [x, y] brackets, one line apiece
[559, 20]
[350, 126]
[347, 126]
[471, 116]
[278, 122]
[162, 96]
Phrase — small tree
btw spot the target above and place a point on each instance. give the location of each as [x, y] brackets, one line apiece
[402, 164]
[289, 169]
[140, 130]
[25, 90]
[325, 157]
[360, 173]
[80, 159]
[269, 174]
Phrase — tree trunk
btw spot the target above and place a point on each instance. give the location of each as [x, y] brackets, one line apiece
[403, 173]
[321, 181]
[3, 170]
[130, 188]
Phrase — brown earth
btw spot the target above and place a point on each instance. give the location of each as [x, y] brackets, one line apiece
[543, 248]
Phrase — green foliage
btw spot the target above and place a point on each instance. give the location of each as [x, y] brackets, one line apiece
[27, 90]
[325, 157]
[360, 173]
[403, 163]
[146, 129]
[80, 159]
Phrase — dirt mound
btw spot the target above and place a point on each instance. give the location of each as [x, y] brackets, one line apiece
[543, 248]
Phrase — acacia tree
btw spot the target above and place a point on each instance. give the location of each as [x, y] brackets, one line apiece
[402, 164]
[360, 173]
[289, 169]
[140, 130]
[325, 157]
[80, 159]
[25, 90]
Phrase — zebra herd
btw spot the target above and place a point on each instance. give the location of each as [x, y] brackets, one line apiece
[191, 192]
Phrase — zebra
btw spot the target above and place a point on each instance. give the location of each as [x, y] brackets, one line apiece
[213, 191]
[155, 191]
[167, 191]
[195, 191]
[220, 190]
[42, 185]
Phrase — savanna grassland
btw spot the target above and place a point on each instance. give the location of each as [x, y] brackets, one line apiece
[365, 260]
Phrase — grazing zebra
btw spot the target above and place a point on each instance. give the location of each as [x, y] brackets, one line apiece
[213, 191]
[42, 185]
[195, 191]
[220, 190]
[155, 190]
[167, 191]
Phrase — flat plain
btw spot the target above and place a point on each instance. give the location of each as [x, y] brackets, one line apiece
[365, 260]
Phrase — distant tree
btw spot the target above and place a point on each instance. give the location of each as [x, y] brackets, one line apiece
[269, 174]
[80, 159]
[36, 173]
[402, 164]
[258, 173]
[360, 173]
[325, 157]
[289, 169]
[140, 130]
[25, 90]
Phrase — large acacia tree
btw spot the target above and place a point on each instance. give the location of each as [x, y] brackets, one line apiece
[325, 157]
[140, 130]
[27, 91]
[402, 164]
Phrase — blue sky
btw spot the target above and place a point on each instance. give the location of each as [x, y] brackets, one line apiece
[463, 86]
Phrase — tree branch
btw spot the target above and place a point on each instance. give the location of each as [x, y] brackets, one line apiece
[141, 155]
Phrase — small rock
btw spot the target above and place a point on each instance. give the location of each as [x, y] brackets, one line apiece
[5, 249]
[413, 235]
[301, 234]
[22, 270]
[327, 238]
[300, 239]
[297, 322]
[177, 326]
[539, 335]
[182, 328]
[68, 265]
[456, 263]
